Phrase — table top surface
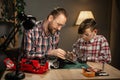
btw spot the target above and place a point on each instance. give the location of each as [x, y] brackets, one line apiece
[73, 74]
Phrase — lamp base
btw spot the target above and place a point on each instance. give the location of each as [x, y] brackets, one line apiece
[15, 75]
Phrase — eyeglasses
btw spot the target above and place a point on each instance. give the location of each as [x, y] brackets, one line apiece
[59, 24]
[86, 35]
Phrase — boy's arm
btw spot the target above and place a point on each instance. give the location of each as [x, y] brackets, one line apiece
[105, 53]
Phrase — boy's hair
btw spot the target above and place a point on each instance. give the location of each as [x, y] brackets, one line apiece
[87, 23]
[58, 11]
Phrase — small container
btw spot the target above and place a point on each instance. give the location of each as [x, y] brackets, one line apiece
[88, 73]
[9, 63]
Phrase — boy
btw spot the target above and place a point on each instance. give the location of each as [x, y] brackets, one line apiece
[90, 46]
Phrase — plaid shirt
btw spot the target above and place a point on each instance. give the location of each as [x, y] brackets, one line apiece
[96, 50]
[37, 44]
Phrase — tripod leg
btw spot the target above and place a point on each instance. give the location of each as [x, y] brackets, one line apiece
[2, 65]
[17, 74]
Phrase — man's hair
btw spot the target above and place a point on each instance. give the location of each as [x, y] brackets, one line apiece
[58, 11]
[87, 23]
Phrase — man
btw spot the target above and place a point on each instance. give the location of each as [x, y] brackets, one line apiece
[43, 39]
[90, 46]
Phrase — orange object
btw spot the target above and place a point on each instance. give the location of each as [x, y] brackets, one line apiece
[88, 73]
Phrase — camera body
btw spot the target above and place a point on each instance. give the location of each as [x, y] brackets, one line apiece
[28, 21]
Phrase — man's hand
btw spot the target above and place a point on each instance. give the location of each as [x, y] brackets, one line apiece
[71, 56]
[57, 52]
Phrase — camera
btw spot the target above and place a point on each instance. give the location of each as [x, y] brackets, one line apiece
[28, 21]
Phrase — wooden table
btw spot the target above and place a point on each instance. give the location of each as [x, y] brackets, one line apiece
[74, 74]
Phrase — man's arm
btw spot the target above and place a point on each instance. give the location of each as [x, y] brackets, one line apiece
[27, 42]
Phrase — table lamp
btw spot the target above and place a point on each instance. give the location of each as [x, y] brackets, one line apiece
[84, 15]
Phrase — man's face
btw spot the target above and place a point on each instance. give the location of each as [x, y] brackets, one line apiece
[56, 23]
[88, 34]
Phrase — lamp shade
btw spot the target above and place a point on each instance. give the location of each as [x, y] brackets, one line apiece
[84, 15]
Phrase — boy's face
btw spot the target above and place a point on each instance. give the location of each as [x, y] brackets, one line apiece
[88, 34]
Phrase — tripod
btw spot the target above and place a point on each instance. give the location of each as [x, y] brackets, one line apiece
[27, 23]
[15, 75]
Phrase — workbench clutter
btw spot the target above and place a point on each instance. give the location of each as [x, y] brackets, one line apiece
[92, 72]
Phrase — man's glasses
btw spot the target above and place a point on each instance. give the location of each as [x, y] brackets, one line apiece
[59, 24]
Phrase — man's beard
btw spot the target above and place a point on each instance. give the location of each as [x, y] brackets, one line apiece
[52, 31]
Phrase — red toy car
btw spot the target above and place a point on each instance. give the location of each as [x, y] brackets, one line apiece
[33, 66]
